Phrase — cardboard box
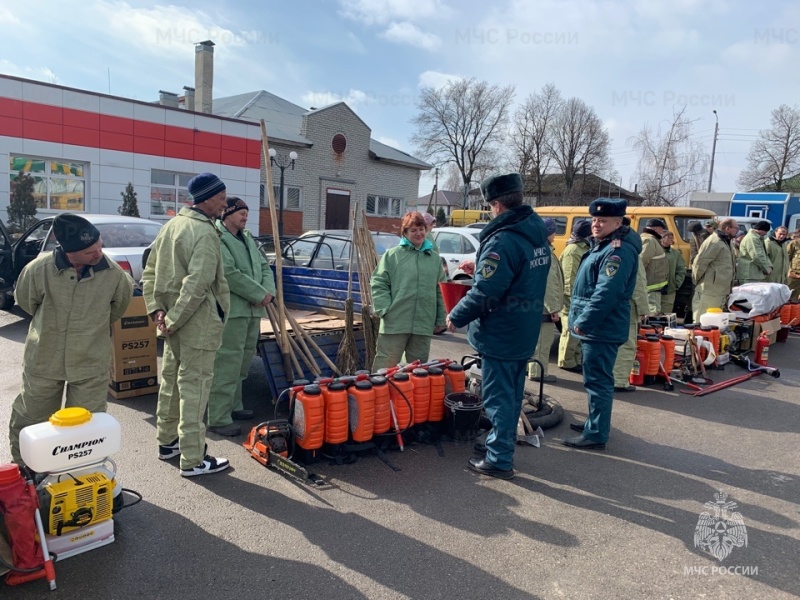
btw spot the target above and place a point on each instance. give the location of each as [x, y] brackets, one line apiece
[771, 327]
[134, 365]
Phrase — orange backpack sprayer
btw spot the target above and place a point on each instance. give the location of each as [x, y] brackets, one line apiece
[455, 379]
[667, 353]
[308, 417]
[401, 392]
[361, 399]
[335, 395]
[437, 380]
[422, 395]
[383, 412]
[762, 349]
[637, 370]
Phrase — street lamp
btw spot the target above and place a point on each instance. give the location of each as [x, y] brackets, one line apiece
[713, 151]
[281, 162]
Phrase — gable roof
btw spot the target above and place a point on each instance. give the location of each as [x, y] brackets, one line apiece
[443, 198]
[790, 185]
[584, 189]
[285, 121]
[283, 118]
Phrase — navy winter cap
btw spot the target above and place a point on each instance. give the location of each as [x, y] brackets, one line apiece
[763, 226]
[550, 226]
[205, 186]
[608, 207]
[74, 233]
[500, 185]
[656, 222]
[582, 228]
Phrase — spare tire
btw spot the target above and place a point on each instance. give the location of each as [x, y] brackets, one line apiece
[549, 415]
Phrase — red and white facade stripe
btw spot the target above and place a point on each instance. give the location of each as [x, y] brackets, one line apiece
[122, 141]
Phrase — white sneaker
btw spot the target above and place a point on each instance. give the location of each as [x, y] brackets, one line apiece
[209, 465]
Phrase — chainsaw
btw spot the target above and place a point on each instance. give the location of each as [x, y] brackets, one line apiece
[270, 443]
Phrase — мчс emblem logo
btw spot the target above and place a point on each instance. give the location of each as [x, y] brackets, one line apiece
[719, 533]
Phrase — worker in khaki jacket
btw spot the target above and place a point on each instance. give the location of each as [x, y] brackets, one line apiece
[675, 274]
[793, 253]
[553, 304]
[775, 245]
[654, 260]
[753, 264]
[188, 297]
[569, 347]
[714, 269]
[73, 294]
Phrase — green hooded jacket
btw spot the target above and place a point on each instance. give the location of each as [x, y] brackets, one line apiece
[184, 277]
[554, 292]
[570, 261]
[247, 272]
[405, 290]
[654, 260]
[776, 252]
[677, 269]
[753, 263]
[68, 338]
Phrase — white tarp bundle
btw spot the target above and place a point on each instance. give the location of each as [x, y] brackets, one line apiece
[759, 298]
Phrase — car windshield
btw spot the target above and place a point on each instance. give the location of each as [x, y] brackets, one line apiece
[127, 235]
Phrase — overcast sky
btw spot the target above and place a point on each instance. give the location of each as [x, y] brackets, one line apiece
[633, 61]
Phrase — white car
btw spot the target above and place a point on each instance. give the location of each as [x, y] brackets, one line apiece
[457, 244]
[124, 241]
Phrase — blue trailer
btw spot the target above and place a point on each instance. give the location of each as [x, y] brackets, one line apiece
[778, 208]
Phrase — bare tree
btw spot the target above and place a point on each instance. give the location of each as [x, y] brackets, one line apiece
[530, 131]
[578, 143]
[671, 164]
[464, 123]
[775, 156]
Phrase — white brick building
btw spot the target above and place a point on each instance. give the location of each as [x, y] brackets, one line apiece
[337, 164]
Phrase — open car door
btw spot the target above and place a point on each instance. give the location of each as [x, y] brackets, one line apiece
[6, 269]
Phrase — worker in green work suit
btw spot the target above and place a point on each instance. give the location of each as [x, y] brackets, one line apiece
[187, 295]
[73, 294]
[569, 347]
[252, 288]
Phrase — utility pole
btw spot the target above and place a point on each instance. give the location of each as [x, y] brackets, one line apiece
[713, 151]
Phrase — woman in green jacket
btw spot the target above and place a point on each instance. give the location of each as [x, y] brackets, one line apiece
[406, 296]
[252, 288]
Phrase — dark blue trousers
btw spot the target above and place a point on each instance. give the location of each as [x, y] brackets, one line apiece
[598, 379]
[503, 386]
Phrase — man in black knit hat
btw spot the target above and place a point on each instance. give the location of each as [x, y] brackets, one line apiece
[73, 295]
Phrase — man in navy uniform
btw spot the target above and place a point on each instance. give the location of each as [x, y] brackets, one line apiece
[600, 313]
[504, 309]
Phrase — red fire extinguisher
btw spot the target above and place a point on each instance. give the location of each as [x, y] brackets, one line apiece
[637, 370]
[762, 349]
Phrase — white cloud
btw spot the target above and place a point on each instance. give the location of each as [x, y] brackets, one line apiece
[758, 56]
[38, 73]
[6, 16]
[436, 79]
[388, 141]
[408, 33]
[381, 12]
[320, 99]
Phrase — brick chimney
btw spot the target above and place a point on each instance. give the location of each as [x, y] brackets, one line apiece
[167, 99]
[203, 75]
[188, 97]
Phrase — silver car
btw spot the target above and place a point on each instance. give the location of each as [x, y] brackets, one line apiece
[124, 241]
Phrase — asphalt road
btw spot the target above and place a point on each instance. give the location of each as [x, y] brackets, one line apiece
[619, 523]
